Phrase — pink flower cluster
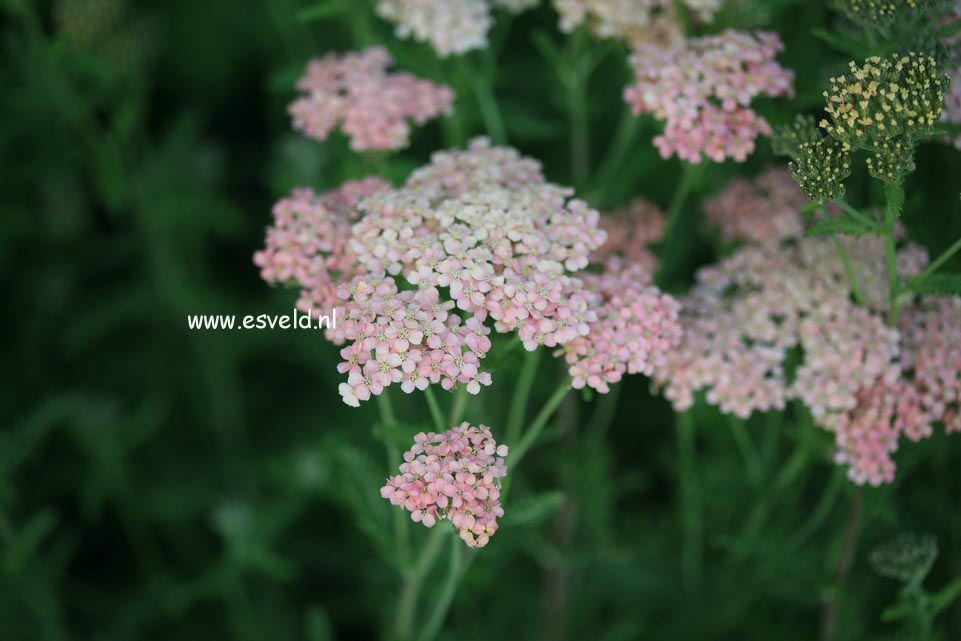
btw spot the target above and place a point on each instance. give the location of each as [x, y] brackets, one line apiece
[636, 328]
[307, 244]
[761, 211]
[925, 388]
[636, 21]
[473, 242]
[452, 27]
[502, 249]
[371, 106]
[703, 88]
[406, 337]
[772, 304]
[454, 475]
[630, 233]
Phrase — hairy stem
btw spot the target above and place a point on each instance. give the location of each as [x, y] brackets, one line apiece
[752, 461]
[849, 272]
[936, 264]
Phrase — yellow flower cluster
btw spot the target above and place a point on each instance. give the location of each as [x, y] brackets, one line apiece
[885, 98]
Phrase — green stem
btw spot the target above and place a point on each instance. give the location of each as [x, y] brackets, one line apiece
[692, 521]
[487, 104]
[401, 531]
[854, 213]
[458, 406]
[454, 573]
[522, 394]
[414, 581]
[671, 249]
[936, 264]
[386, 409]
[829, 606]
[849, 272]
[895, 201]
[752, 461]
[535, 429]
[575, 80]
[621, 143]
[435, 412]
[821, 511]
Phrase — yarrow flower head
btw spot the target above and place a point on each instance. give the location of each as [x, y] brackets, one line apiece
[307, 244]
[631, 231]
[373, 107]
[635, 21]
[455, 475]
[452, 27]
[760, 211]
[703, 88]
[887, 105]
[476, 242]
[636, 328]
[820, 168]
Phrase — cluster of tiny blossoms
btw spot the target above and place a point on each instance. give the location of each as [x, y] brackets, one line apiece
[307, 244]
[406, 337]
[454, 475]
[503, 243]
[371, 106]
[636, 21]
[703, 87]
[886, 105]
[776, 322]
[631, 231]
[761, 211]
[452, 27]
[636, 328]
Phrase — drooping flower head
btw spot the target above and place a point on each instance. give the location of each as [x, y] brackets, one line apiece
[455, 475]
[372, 106]
[703, 88]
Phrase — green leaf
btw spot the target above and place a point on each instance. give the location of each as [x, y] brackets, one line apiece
[897, 612]
[533, 509]
[946, 596]
[830, 226]
[810, 209]
[843, 44]
[945, 284]
[322, 11]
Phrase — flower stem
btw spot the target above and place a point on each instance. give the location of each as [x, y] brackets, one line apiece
[691, 520]
[414, 582]
[936, 264]
[895, 201]
[458, 406]
[854, 213]
[540, 421]
[752, 461]
[522, 394]
[671, 250]
[455, 570]
[487, 104]
[849, 272]
[435, 412]
[829, 606]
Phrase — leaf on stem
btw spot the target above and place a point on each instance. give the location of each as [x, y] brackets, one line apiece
[944, 284]
[846, 226]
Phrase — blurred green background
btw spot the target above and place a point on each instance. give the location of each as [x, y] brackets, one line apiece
[157, 483]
